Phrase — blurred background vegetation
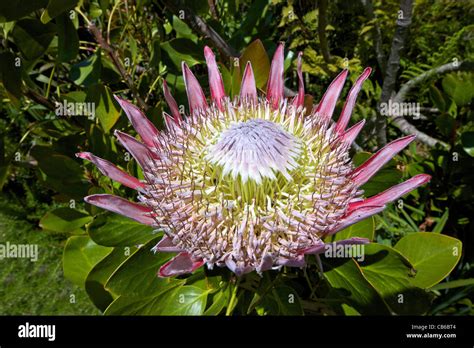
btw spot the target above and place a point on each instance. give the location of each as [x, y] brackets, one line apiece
[85, 51]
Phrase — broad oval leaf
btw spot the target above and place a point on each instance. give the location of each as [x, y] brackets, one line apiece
[57, 7]
[182, 50]
[349, 284]
[288, 300]
[219, 301]
[80, 256]
[33, 37]
[363, 229]
[98, 276]
[138, 276]
[64, 220]
[184, 300]
[87, 72]
[105, 107]
[56, 165]
[117, 230]
[390, 274]
[433, 256]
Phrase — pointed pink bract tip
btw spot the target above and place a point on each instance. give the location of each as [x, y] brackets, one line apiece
[275, 79]
[425, 178]
[406, 140]
[208, 51]
[196, 97]
[328, 102]
[83, 155]
[248, 89]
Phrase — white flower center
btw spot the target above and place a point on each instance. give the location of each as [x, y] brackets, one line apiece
[255, 149]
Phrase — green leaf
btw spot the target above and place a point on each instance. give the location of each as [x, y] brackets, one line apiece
[266, 305]
[256, 54]
[288, 300]
[254, 14]
[57, 7]
[454, 284]
[385, 178]
[182, 29]
[226, 78]
[365, 29]
[10, 74]
[445, 124]
[362, 229]
[98, 276]
[68, 40]
[95, 11]
[183, 300]
[87, 72]
[74, 97]
[432, 255]
[437, 98]
[33, 37]
[56, 165]
[459, 86]
[179, 50]
[61, 173]
[155, 58]
[452, 109]
[467, 141]
[13, 10]
[117, 230]
[271, 299]
[64, 220]
[236, 79]
[219, 301]
[80, 255]
[105, 106]
[441, 222]
[138, 276]
[389, 273]
[349, 311]
[350, 285]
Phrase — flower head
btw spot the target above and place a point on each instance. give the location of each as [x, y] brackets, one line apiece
[250, 183]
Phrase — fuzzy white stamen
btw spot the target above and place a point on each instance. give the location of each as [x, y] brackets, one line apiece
[255, 149]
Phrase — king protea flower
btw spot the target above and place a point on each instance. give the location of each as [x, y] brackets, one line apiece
[251, 183]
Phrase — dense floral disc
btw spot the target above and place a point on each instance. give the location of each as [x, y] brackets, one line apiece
[250, 183]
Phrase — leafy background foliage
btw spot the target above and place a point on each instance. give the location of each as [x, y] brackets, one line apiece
[421, 258]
